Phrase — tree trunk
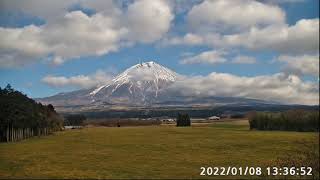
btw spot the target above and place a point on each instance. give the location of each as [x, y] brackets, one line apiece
[13, 134]
[7, 133]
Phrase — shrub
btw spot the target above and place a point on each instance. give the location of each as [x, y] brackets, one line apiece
[183, 120]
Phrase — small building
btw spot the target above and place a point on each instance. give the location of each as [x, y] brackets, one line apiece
[168, 120]
[214, 118]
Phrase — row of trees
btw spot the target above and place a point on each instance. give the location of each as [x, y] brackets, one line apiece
[22, 117]
[291, 120]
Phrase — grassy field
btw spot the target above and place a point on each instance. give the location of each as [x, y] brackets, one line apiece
[149, 152]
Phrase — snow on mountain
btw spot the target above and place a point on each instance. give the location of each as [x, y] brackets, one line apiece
[138, 84]
[142, 84]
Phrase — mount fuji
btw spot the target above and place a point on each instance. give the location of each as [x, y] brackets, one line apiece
[144, 84]
[141, 84]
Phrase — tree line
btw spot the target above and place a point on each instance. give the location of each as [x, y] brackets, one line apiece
[291, 120]
[22, 117]
[74, 119]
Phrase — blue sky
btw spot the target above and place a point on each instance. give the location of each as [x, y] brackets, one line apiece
[25, 70]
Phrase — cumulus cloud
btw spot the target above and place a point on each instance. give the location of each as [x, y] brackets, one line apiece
[149, 20]
[247, 24]
[80, 81]
[278, 87]
[237, 15]
[215, 57]
[20, 46]
[51, 10]
[303, 37]
[39, 8]
[300, 38]
[76, 34]
[301, 65]
[188, 39]
[72, 36]
[207, 57]
[243, 60]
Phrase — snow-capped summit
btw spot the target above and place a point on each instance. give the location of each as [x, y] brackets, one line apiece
[148, 71]
[141, 82]
[144, 84]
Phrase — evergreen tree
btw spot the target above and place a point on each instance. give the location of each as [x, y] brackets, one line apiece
[183, 120]
[20, 115]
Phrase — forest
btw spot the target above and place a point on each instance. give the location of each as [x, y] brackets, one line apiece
[22, 117]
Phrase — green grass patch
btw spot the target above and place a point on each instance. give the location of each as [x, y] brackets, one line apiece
[148, 152]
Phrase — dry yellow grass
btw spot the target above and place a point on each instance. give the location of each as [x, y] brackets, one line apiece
[147, 152]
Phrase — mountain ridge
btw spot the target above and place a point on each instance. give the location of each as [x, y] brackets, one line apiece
[143, 84]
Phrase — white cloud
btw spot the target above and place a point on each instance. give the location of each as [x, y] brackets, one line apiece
[80, 81]
[186, 54]
[221, 15]
[51, 10]
[215, 57]
[207, 57]
[278, 87]
[247, 24]
[188, 39]
[107, 8]
[71, 36]
[303, 37]
[57, 60]
[76, 34]
[300, 38]
[149, 20]
[39, 8]
[301, 65]
[282, 1]
[20, 46]
[243, 60]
